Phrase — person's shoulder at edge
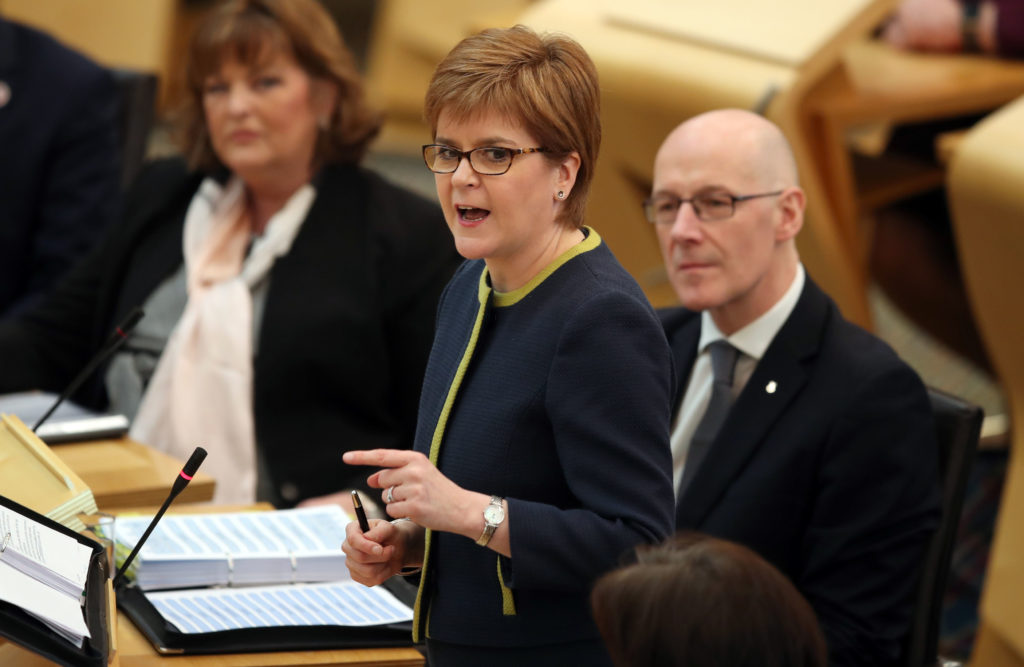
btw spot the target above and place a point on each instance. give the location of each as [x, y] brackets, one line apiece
[409, 224]
[40, 50]
[601, 269]
[394, 208]
[859, 352]
[600, 294]
[674, 317]
[157, 179]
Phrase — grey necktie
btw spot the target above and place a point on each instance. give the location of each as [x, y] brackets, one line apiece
[723, 363]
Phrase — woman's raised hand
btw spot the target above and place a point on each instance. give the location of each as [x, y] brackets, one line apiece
[413, 487]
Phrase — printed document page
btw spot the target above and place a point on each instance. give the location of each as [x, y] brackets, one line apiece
[338, 603]
[43, 572]
[51, 557]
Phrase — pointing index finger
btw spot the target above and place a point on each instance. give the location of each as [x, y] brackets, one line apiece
[382, 458]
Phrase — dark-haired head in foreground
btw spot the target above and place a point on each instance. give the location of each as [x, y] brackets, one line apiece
[702, 602]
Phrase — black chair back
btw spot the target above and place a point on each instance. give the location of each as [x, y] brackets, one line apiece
[957, 428]
[137, 92]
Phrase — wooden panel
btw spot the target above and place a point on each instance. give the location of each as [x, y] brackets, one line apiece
[124, 473]
[987, 203]
[652, 80]
[790, 33]
[125, 33]
[878, 82]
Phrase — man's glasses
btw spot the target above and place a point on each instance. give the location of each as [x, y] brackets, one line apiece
[486, 160]
[664, 209]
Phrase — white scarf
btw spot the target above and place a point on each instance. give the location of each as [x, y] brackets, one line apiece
[201, 391]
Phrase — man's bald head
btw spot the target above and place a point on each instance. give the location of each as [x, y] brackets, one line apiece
[763, 153]
[737, 255]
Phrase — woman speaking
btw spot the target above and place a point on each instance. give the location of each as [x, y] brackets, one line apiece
[541, 451]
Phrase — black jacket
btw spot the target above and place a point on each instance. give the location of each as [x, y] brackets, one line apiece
[59, 164]
[827, 467]
[345, 334]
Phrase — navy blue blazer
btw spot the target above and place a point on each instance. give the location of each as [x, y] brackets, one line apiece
[59, 162]
[831, 474]
[564, 411]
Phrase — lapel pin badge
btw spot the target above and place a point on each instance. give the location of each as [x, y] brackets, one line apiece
[771, 387]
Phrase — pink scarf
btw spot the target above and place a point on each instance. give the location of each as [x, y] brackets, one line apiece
[201, 391]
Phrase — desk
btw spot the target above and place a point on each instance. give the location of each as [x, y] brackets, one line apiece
[875, 83]
[135, 651]
[124, 473]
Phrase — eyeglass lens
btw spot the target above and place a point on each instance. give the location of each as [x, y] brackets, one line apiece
[665, 209]
[485, 160]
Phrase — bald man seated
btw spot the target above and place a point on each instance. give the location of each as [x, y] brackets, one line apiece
[795, 432]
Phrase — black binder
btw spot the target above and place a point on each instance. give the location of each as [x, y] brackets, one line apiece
[169, 641]
[25, 630]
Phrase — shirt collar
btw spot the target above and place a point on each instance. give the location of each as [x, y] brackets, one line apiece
[753, 339]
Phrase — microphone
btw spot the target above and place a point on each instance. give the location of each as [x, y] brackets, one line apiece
[126, 326]
[116, 340]
[180, 482]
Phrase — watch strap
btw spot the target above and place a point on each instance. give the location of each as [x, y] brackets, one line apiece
[489, 527]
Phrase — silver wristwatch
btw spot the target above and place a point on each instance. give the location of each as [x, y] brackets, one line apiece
[494, 514]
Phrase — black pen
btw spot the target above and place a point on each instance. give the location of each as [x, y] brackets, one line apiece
[364, 525]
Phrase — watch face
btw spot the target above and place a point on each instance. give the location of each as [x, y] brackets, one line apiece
[494, 514]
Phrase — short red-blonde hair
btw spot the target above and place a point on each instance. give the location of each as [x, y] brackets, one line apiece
[254, 31]
[545, 82]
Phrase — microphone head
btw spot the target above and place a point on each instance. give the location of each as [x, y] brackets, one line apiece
[194, 461]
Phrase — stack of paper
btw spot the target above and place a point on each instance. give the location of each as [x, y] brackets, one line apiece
[240, 548]
[44, 573]
[33, 476]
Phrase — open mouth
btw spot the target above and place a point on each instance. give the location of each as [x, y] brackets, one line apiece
[471, 214]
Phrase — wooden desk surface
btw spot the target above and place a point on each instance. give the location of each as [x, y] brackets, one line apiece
[880, 84]
[135, 651]
[124, 473]
[877, 82]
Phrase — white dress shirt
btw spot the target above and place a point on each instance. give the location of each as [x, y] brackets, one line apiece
[751, 341]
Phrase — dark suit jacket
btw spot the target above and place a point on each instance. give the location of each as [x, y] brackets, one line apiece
[59, 164]
[832, 477]
[345, 334]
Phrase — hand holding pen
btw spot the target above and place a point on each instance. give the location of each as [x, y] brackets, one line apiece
[376, 552]
[357, 503]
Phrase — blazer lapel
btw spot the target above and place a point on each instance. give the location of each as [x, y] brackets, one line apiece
[776, 382]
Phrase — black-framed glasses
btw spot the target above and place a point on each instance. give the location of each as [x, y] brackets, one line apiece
[486, 160]
[663, 209]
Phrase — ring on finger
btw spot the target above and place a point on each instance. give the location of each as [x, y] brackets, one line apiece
[389, 497]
